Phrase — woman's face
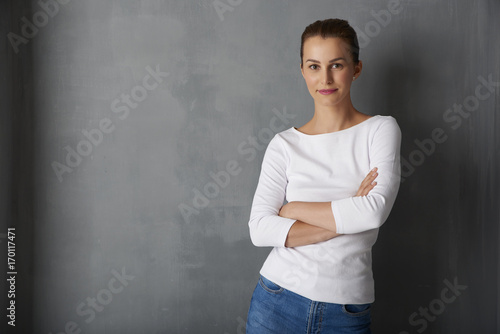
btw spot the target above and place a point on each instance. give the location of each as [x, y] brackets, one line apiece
[328, 70]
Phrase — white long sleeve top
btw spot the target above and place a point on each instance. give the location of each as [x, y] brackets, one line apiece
[327, 168]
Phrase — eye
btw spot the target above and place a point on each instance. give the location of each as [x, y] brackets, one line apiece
[313, 67]
[337, 66]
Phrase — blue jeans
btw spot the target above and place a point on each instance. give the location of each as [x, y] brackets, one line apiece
[276, 310]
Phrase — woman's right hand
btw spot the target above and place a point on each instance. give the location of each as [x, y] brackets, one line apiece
[368, 183]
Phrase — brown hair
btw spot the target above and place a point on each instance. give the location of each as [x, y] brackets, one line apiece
[332, 28]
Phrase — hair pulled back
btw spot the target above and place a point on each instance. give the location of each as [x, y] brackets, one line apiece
[332, 28]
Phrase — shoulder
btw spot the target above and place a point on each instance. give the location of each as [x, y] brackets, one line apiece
[286, 133]
[277, 142]
[381, 119]
[278, 146]
[385, 123]
[281, 138]
[385, 131]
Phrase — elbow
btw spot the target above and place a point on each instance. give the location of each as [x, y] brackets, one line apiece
[372, 215]
[255, 236]
[257, 242]
[376, 219]
[377, 215]
[367, 221]
[269, 230]
[363, 213]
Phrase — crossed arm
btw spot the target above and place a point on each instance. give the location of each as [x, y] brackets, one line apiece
[273, 224]
[314, 220]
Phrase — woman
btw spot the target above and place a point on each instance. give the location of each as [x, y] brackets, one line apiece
[318, 277]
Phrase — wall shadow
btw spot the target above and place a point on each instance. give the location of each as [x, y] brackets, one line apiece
[18, 170]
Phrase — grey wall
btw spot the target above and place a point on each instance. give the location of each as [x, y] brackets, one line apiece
[131, 234]
[17, 172]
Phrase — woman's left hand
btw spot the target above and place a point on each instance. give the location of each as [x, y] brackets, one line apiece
[368, 183]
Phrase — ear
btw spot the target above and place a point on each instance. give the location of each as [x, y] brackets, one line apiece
[358, 68]
[302, 70]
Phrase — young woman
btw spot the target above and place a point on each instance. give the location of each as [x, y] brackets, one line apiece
[318, 277]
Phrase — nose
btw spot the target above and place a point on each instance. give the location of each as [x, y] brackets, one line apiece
[327, 77]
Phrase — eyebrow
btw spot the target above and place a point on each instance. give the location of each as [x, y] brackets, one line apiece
[331, 61]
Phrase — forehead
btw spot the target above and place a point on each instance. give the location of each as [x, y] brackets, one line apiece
[325, 49]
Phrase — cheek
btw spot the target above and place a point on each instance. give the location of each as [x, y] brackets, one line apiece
[310, 81]
[344, 76]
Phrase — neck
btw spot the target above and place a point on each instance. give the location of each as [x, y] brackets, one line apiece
[333, 118]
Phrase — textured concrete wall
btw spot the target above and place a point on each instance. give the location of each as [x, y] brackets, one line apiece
[138, 129]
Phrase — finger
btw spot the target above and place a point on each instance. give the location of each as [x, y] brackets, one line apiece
[372, 173]
[365, 190]
[368, 183]
[370, 177]
[370, 187]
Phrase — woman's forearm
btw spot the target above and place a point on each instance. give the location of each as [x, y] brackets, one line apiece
[301, 234]
[318, 214]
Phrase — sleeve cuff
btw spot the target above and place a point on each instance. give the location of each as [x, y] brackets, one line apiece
[338, 218]
[287, 225]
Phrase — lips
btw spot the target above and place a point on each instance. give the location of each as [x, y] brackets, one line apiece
[327, 91]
